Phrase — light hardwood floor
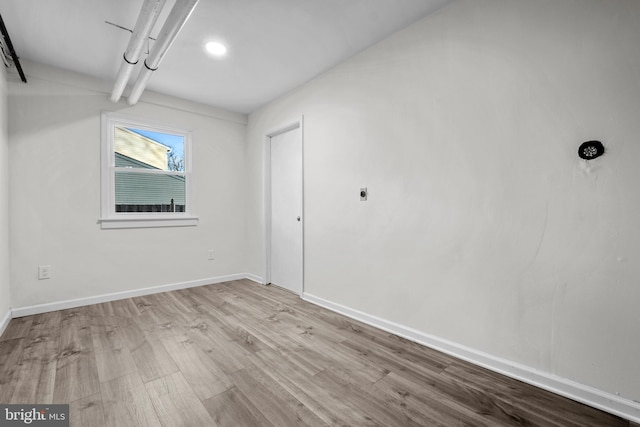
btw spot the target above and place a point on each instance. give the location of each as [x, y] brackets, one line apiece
[242, 354]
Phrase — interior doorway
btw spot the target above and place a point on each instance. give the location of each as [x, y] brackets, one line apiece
[284, 207]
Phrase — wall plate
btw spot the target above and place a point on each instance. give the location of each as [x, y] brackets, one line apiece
[363, 194]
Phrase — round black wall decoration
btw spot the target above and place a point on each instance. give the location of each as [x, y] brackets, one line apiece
[590, 150]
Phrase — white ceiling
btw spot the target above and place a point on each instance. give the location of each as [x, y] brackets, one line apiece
[274, 45]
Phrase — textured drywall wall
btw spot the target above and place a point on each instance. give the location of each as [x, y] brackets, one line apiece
[5, 295]
[482, 226]
[54, 137]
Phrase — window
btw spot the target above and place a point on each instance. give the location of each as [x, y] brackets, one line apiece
[146, 175]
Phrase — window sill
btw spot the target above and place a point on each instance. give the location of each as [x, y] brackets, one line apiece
[182, 221]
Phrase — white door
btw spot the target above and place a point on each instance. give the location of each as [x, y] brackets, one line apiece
[286, 209]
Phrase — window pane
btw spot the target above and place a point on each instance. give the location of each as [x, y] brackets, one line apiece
[145, 192]
[136, 148]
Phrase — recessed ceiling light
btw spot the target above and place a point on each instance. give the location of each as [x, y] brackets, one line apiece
[216, 48]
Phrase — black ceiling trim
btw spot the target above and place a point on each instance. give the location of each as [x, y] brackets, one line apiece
[14, 55]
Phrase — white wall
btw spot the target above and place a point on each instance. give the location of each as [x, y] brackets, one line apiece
[54, 137]
[483, 227]
[5, 300]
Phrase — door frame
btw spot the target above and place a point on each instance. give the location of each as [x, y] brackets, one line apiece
[289, 126]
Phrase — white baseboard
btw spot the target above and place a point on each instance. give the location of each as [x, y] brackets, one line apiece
[255, 278]
[5, 322]
[573, 390]
[62, 305]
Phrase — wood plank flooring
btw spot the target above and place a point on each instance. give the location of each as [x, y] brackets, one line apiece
[242, 354]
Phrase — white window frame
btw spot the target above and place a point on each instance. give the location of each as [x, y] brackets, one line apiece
[112, 219]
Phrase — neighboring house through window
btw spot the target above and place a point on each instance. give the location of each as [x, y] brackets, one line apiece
[146, 175]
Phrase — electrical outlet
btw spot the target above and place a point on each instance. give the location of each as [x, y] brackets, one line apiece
[44, 272]
[211, 255]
